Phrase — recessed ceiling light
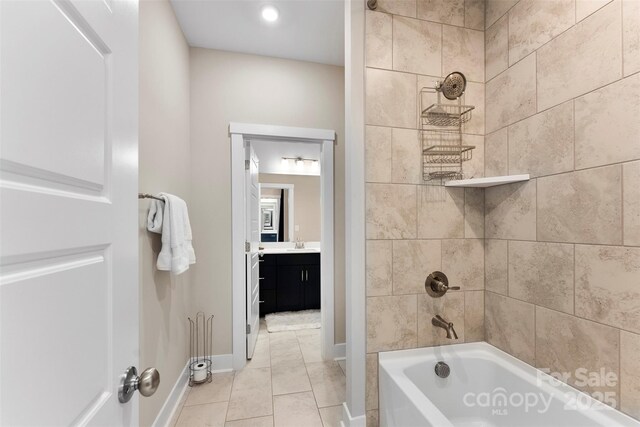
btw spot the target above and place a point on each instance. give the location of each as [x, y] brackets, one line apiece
[270, 13]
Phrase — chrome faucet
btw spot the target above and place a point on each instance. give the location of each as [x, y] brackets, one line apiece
[447, 326]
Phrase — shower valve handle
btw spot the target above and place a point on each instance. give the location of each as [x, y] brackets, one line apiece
[437, 284]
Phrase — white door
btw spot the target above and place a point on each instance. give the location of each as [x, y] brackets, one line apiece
[68, 211]
[252, 257]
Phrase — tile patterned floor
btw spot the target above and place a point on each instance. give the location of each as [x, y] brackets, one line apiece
[285, 384]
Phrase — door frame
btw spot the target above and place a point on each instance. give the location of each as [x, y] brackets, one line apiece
[240, 134]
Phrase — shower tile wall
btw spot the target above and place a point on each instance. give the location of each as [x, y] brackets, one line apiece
[413, 229]
[561, 251]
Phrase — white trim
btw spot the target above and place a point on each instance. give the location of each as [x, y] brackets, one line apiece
[174, 401]
[290, 204]
[349, 421]
[326, 248]
[339, 351]
[281, 132]
[237, 247]
[239, 141]
[355, 293]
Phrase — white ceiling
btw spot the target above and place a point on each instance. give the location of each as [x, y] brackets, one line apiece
[270, 154]
[307, 30]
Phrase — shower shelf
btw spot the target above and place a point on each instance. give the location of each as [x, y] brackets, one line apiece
[446, 115]
[491, 181]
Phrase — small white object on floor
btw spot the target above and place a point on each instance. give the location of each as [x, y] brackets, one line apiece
[293, 320]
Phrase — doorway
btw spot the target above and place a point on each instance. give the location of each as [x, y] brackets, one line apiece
[241, 137]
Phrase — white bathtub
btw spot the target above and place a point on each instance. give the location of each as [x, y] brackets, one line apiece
[486, 387]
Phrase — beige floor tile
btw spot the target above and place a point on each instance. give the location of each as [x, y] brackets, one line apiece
[343, 365]
[218, 390]
[251, 394]
[328, 383]
[295, 410]
[261, 354]
[251, 422]
[209, 415]
[289, 376]
[310, 345]
[331, 416]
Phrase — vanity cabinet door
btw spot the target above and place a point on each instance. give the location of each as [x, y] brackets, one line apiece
[312, 287]
[290, 293]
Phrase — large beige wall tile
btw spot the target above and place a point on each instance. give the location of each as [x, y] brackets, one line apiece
[576, 62]
[543, 144]
[497, 47]
[474, 14]
[630, 373]
[474, 316]
[417, 46]
[379, 267]
[631, 197]
[406, 157]
[565, 343]
[378, 40]
[581, 207]
[451, 308]
[532, 23]
[440, 212]
[463, 263]
[377, 154]
[413, 261]
[542, 274]
[371, 389]
[631, 36]
[511, 96]
[585, 8]
[474, 168]
[510, 211]
[496, 159]
[608, 124]
[390, 98]
[443, 11]
[392, 323]
[495, 266]
[474, 95]
[607, 288]
[474, 213]
[391, 211]
[463, 50]
[398, 7]
[510, 326]
[373, 418]
[496, 8]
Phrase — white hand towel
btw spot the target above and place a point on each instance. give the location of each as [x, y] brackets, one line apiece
[177, 250]
[154, 218]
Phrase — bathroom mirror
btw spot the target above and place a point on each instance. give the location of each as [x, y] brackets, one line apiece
[276, 212]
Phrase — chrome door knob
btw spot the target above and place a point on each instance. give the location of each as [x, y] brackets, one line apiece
[147, 383]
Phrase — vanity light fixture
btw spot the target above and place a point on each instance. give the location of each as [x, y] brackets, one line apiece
[270, 13]
[299, 161]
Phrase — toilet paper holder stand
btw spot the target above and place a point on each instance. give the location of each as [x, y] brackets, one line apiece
[200, 348]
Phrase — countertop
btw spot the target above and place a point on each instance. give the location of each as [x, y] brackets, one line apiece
[270, 251]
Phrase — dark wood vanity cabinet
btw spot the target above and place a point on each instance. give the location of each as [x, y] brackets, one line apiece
[289, 282]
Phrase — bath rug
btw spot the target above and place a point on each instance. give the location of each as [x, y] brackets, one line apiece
[293, 320]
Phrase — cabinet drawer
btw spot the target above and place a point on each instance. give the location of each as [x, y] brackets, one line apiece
[268, 260]
[269, 303]
[299, 259]
[268, 277]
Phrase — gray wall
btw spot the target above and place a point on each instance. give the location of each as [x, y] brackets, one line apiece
[164, 164]
[228, 87]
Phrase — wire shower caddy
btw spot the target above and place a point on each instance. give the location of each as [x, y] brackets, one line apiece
[200, 348]
[441, 135]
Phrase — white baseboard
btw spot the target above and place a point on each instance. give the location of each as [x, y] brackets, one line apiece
[349, 421]
[339, 351]
[174, 400]
[220, 363]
